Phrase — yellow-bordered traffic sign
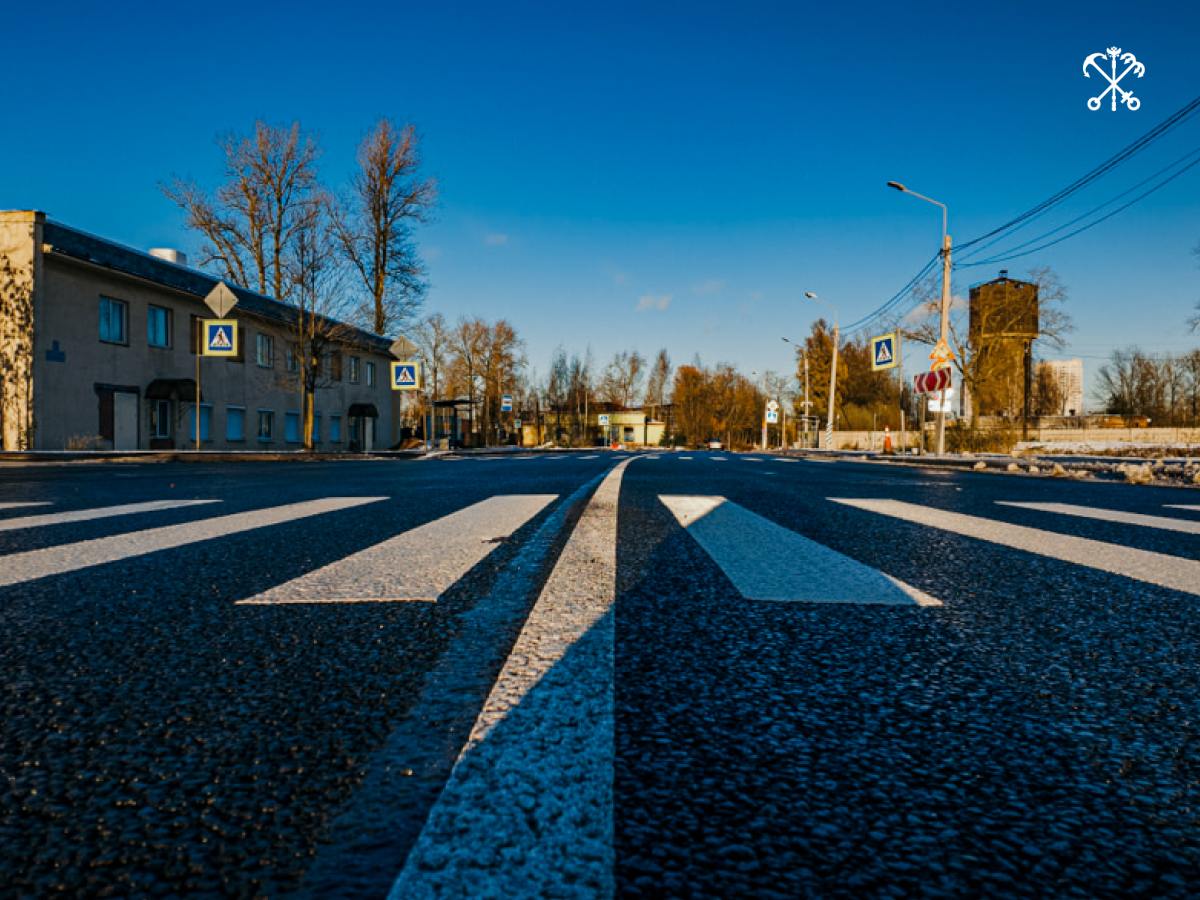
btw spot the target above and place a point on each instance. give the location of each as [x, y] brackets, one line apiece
[885, 351]
[406, 376]
[219, 337]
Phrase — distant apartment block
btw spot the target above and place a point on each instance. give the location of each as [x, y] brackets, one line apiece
[1069, 375]
[98, 348]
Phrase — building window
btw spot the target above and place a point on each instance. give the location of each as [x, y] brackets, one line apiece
[335, 366]
[264, 351]
[335, 429]
[370, 374]
[292, 358]
[266, 425]
[114, 321]
[205, 422]
[354, 370]
[291, 427]
[235, 423]
[160, 418]
[158, 326]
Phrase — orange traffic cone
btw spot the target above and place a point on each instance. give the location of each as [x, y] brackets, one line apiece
[887, 439]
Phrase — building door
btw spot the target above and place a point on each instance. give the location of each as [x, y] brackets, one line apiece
[368, 433]
[125, 420]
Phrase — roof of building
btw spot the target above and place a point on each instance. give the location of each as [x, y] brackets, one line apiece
[87, 247]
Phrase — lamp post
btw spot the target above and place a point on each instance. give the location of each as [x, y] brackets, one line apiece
[944, 326]
[832, 369]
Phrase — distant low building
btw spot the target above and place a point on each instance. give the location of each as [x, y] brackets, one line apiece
[98, 350]
[604, 425]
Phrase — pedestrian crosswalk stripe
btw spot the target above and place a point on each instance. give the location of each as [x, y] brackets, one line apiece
[1143, 565]
[24, 505]
[21, 567]
[418, 565]
[100, 512]
[766, 561]
[1187, 526]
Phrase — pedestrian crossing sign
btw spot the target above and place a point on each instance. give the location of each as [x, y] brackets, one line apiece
[220, 337]
[772, 417]
[885, 351]
[406, 376]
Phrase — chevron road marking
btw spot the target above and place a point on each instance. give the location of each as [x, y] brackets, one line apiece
[1188, 526]
[534, 784]
[1143, 565]
[101, 512]
[21, 567]
[766, 561]
[418, 565]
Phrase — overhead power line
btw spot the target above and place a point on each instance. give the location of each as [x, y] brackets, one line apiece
[896, 302]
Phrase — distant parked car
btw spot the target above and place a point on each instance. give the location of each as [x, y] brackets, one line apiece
[714, 444]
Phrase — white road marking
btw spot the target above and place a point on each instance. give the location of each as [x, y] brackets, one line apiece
[1187, 526]
[24, 505]
[590, 456]
[766, 561]
[753, 459]
[1188, 506]
[717, 458]
[100, 512]
[533, 786]
[688, 458]
[20, 567]
[1142, 565]
[418, 565]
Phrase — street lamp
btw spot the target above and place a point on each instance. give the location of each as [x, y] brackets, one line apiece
[942, 352]
[832, 369]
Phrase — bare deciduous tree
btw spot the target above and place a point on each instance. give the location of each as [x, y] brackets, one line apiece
[374, 226]
[252, 220]
[658, 382]
[623, 378]
[316, 281]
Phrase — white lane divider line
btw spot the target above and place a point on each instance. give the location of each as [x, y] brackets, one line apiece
[20, 567]
[418, 565]
[766, 561]
[1143, 565]
[24, 505]
[1191, 507]
[532, 787]
[753, 459]
[100, 512]
[590, 456]
[688, 458]
[1187, 526]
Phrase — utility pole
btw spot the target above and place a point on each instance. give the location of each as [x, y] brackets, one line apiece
[832, 388]
[944, 329]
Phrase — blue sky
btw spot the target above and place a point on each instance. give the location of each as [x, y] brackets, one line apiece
[645, 174]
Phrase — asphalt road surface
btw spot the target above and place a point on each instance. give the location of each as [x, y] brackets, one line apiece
[683, 674]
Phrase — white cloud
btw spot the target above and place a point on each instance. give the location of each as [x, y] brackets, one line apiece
[660, 302]
[495, 239]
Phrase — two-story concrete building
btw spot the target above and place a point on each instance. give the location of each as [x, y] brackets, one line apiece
[98, 349]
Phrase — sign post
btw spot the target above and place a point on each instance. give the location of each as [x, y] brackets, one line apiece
[215, 337]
